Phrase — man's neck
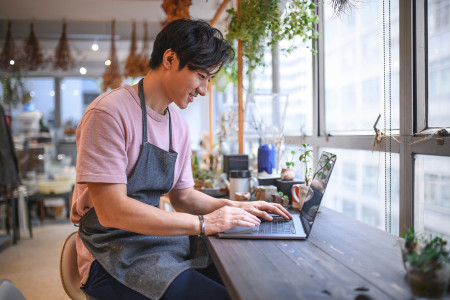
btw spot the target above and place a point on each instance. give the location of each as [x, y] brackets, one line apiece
[155, 97]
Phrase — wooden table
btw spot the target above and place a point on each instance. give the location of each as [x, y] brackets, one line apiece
[342, 259]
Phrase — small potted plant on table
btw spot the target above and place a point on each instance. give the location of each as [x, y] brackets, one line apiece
[427, 265]
[288, 172]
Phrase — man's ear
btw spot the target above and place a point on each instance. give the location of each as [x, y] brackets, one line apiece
[169, 59]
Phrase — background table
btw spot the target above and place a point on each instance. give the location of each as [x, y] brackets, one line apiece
[342, 259]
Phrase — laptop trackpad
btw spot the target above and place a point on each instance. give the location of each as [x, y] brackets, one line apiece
[242, 229]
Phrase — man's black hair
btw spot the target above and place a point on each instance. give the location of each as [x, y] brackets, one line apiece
[197, 45]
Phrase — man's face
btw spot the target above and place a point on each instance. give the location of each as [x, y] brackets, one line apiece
[186, 84]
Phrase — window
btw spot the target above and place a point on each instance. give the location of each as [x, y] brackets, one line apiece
[296, 82]
[353, 188]
[432, 195]
[76, 95]
[438, 63]
[354, 68]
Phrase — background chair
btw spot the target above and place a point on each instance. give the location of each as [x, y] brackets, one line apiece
[68, 268]
[8, 291]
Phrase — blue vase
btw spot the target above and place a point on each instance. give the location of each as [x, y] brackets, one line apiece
[266, 158]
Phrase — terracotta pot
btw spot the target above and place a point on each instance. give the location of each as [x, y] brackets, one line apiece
[287, 174]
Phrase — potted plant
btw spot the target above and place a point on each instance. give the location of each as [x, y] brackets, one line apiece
[427, 265]
[280, 198]
[305, 158]
[264, 23]
[202, 177]
[288, 172]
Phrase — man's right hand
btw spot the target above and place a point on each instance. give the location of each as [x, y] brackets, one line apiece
[227, 217]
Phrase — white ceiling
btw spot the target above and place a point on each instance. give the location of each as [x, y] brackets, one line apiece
[89, 21]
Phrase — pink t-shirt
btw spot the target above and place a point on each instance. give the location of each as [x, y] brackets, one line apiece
[109, 138]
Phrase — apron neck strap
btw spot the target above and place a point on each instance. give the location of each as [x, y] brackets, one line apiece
[144, 115]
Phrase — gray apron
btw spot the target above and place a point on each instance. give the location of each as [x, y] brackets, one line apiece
[146, 264]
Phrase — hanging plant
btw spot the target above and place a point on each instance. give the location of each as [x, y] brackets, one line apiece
[33, 58]
[111, 77]
[9, 53]
[263, 23]
[143, 58]
[131, 64]
[63, 57]
[14, 91]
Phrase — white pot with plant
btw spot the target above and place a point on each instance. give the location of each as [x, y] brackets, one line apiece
[300, 192]
[288, 173]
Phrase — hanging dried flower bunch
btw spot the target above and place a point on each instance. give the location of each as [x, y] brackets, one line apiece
[176, 9]
[131, 64]
[63, 58]
[111, 77]
[33, 58]
[143, 58]
[9, 56]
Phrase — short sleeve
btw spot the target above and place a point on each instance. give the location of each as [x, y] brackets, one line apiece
[101, 149]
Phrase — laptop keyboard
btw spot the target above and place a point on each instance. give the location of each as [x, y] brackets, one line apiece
[277, 226]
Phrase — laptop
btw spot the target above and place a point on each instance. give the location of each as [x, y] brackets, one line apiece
[301, 224]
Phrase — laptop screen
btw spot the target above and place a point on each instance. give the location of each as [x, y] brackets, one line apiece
[317, 189]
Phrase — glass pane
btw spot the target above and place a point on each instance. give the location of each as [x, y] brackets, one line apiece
[438, 63]
[296, 82]
[25, 118]
[432, 195]
[356, 187]
[76, 95]
[354, 67]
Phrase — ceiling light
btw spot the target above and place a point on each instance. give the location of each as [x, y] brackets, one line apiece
[32, 94]
[11, 62]
[107, 62]
[94, 47]
[83, 70]
[52, 93]
[63, 86]
[76, 92]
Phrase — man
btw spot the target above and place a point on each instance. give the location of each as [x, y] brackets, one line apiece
[131, 149]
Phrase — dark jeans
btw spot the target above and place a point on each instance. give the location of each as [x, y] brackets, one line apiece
[190, 284]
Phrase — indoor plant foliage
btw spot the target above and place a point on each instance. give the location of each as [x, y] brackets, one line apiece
[427, 264]
[305, 158]
[261, 23]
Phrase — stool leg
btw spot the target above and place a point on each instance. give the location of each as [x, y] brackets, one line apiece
[30, 229]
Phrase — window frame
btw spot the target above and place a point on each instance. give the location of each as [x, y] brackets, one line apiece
[413, 104]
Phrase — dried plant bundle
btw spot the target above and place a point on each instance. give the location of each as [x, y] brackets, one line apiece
[143, 58]
[176, 9]
[33, 58]
[9, 52]
[131, 65]
[63, 57]
[111, 77]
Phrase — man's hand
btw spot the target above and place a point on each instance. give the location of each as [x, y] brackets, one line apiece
[227, 217]
[261, 209]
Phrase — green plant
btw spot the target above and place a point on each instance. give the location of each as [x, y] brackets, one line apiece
[261, 23]
[291, 162]
[427, 264]
[198, 173]
[305, 158]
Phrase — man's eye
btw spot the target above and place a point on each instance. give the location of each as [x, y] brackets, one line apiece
[201, 76]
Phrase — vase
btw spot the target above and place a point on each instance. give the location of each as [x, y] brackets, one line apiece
[287, 174]
[266, 158]
[431, 284]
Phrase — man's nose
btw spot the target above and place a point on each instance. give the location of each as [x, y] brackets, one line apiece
[202, 88]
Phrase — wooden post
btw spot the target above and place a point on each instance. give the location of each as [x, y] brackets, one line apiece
[210, 117]
[240, 96]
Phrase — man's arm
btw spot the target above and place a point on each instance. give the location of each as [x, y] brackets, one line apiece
[115, 209]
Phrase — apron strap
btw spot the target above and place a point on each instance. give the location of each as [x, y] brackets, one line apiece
[144, 110]
[144, 116]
